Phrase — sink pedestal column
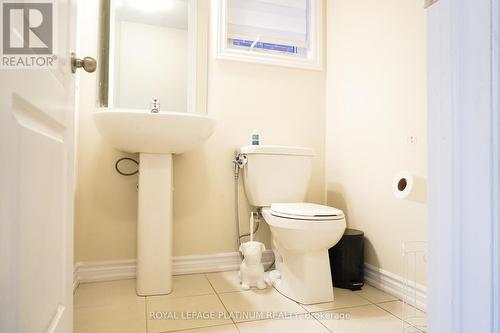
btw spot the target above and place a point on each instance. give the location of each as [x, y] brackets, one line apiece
[154, 225]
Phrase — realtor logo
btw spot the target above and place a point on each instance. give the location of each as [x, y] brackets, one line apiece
[27, 34]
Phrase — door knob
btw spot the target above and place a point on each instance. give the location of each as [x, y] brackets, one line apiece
[89, 64]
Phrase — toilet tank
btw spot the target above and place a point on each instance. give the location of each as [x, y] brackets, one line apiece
[275, 174]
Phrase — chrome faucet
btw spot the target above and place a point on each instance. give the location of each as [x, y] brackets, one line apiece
[155, 105]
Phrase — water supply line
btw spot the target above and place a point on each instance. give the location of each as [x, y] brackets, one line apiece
[239, 162]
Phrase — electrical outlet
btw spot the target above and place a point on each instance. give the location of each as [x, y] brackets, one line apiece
[412, 140]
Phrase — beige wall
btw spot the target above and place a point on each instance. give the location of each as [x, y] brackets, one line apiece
[376, 99]
[285, 105]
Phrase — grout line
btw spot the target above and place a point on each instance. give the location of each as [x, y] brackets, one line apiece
[276, 290]
[319, 321]
[224, 305]
[196, 328]
[303, 307]
[341, 308]
[398, 300]
[400, 319]
[363, 297]
[237, 328]
[264, 319]
[238, 291]
[179, 297]
[374, 302]
[247, 321]
[387, 311]
[220, 300]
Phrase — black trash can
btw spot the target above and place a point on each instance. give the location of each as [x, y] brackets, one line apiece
[347, 260]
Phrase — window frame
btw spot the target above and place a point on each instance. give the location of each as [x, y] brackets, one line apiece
[313, 60]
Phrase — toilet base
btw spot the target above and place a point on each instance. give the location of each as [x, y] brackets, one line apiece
[305, 277]
[301, 254]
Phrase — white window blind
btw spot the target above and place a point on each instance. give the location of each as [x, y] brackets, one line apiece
[268, 21]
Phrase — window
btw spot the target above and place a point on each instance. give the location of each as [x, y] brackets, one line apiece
[277, 32]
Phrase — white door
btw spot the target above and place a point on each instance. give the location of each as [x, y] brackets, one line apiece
[464, 166]
[37, 129]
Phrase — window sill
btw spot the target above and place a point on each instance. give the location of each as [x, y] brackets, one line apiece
[269, 59]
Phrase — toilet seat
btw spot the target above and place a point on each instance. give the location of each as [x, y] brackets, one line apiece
[303, 216]
[305, 211]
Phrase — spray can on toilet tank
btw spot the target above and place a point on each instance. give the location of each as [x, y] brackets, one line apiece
[255, 138]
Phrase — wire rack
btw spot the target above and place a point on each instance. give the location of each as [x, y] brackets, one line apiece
[413, 317]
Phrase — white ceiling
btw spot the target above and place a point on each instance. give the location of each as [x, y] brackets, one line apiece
[169, 13]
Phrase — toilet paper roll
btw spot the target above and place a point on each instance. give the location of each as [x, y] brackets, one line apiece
[406, 186]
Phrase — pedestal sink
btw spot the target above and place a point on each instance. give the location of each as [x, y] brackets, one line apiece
[156, 136]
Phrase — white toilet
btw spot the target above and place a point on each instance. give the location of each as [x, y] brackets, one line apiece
[276, 179]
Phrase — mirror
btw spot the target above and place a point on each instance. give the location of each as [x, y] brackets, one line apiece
[154, 49]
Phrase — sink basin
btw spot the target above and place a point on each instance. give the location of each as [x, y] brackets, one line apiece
[137, 131]
[156, 136]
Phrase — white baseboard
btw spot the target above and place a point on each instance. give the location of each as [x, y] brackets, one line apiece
[125, 269]
[94, 271]
[394, 285]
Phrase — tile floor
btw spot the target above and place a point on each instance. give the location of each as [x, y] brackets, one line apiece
[201, 303]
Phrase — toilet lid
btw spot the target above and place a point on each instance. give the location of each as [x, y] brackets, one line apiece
[306, 211]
